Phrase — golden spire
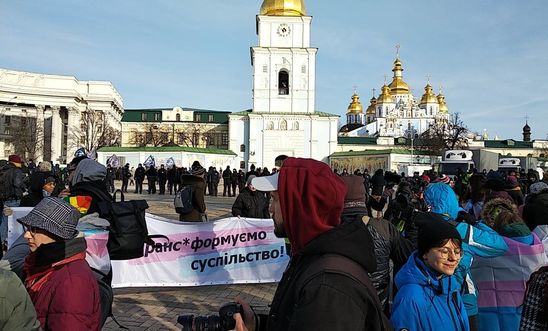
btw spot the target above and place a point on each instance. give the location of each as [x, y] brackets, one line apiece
[398, 86]
[385, 96]
[371, 109]
[428, 96]
[283, 8]
[443, 105]
[355, 106]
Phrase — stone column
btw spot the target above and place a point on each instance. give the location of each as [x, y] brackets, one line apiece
[73, 131]
[56, 134]
[40, 133]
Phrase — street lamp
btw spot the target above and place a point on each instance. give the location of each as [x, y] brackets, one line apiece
[411, 134]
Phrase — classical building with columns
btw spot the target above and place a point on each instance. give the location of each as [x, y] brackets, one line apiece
[55, 111]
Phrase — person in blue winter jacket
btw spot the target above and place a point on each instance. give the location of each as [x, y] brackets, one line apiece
[428, 295]
[478, 240]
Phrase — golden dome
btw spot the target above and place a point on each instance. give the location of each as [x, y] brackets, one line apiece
[283, 8]
[371, 109]
[398, 86]
[385, 95]
[428, 96]
[443, 105]
[355, 106]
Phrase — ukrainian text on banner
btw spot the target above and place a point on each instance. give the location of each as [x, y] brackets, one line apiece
[226, 251]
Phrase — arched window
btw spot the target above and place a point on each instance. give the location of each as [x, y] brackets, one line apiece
[283, 125]
[270, 126]
[178, 117]
[296, 126]
[283, 82]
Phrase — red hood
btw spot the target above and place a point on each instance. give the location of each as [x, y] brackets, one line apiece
[311, 199]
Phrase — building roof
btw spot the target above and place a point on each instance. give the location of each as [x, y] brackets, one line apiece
[167, 149]
[508, 143]
[357, 140]
[134, 115]
[316, 113]
[350, 127]
[380, 152]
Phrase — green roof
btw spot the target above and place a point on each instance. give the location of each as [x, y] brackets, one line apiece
[316, 113]
[134, 115]
[167, 149]
[357, 140]
[508, 143]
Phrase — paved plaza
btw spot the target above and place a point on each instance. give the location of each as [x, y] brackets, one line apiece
[158, 308]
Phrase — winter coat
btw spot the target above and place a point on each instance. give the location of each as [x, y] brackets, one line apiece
[16, 182]
[478, 240]
[389, 245]
[326, 301]
[251, 204]
[377, 183]
[62, 286]
[501, 283]
[198, 200]
[36, 184]
[140, 174]
[16, 309]
[535, 210]
[534, 316]
[425, 301]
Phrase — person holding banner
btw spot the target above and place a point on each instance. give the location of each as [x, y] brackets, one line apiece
[326, 286]
[59, 280]
[250, 202]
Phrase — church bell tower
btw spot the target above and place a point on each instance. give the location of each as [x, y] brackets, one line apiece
[284, 64]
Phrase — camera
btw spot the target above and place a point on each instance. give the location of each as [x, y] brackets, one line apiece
[223, 321]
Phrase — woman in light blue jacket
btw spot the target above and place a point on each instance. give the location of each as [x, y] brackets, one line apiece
[428, 295]
[477, 240]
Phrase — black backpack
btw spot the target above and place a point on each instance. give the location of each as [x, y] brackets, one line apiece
[183, 200]
[128, 231]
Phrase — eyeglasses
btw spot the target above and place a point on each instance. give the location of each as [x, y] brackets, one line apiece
[444, 252]
[30, 229]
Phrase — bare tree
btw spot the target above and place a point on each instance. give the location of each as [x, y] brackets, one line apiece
[191, 135]
[26, 136]
[149, 134]
[96, 132]
[443, 135]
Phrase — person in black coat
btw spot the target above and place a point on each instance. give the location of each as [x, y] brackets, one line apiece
[227, 181]
[139, 178]
[388, 243]
[42, 185]
[152, 175]
[251, 203]
[162, 178]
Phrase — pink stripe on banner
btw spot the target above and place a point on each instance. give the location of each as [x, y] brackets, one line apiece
[205, 242]
[500, 294]
[97, 243]
[517, 248]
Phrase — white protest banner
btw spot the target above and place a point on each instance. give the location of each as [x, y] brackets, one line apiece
[227, 251]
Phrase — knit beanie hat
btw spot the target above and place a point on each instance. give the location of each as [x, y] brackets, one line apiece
[538, 187]
[355, 194]
[433, 231]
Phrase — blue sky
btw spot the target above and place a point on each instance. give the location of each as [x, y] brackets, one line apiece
[489, 56]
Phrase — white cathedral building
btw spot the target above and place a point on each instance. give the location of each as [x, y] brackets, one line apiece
[395, 112]
[284, 119]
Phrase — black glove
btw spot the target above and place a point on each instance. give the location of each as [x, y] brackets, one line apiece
[466, 217]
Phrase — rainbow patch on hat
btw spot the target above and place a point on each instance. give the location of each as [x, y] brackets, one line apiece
[80, 202]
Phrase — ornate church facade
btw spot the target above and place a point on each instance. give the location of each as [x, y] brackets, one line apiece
[395, 112]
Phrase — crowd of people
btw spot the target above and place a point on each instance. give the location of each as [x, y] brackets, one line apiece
[421, 252]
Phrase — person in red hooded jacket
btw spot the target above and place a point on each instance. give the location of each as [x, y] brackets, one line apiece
[314, 294]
